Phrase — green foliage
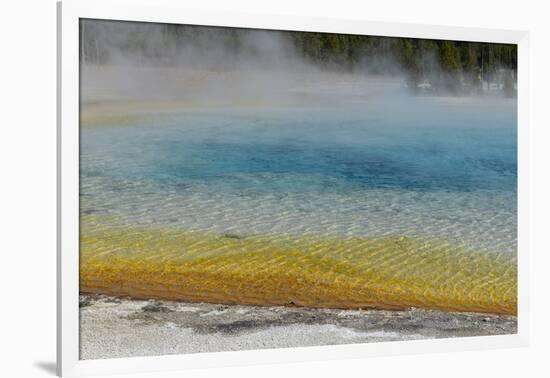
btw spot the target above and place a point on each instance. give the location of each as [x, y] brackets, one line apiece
[420, 59]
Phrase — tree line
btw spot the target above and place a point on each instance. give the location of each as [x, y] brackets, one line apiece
[445, 64]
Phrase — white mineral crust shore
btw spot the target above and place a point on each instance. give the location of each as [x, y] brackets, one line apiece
[114, 328]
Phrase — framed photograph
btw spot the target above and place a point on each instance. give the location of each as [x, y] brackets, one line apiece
[238, 189]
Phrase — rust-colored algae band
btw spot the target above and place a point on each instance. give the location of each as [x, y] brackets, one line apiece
[337, 272]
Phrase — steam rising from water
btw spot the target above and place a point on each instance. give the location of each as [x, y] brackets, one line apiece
[142, 61]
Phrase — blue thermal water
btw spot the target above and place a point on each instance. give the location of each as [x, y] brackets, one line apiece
[418, 166]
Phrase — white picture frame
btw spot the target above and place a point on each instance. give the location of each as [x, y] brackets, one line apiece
[172, 11]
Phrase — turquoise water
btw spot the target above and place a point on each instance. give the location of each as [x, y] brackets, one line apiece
[417, 166]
